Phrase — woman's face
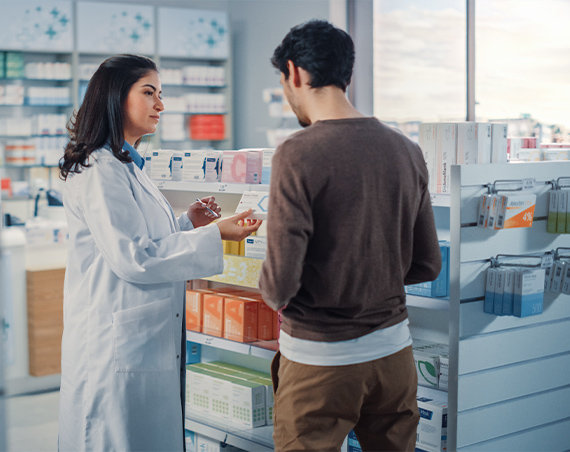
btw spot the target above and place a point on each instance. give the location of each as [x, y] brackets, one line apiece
[143, 107]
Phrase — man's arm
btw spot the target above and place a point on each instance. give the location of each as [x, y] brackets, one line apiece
[426, 260]
[289, 228]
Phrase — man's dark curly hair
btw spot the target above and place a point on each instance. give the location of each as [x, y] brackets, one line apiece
[324, 51]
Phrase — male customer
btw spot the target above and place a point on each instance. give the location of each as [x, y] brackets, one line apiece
[350, 222]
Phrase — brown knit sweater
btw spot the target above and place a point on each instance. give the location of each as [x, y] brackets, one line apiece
[350, 222]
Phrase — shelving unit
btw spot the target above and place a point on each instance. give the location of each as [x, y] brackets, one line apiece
[508, 368]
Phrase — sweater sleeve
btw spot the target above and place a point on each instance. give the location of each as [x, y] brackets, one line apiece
[426, 258]
[289, 228]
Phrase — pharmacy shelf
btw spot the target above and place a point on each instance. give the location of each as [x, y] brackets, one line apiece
[26, 104]
[437, 304]
[259, 439]
[12, 166]
[260, 349]
[209, 187]
[26, 79]
[33, 136]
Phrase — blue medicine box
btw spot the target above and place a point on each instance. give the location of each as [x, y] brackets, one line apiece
[440, 286]
[193, 352]
[353, 444]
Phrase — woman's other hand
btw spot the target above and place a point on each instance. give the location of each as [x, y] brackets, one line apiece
[237, 228]
[199, 215]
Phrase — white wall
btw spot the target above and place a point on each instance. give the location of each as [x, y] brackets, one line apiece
[258, 26]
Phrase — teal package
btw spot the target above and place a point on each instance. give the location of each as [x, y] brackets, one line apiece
[529, 293]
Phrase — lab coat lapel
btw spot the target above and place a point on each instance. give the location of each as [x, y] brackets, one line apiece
[149, 186]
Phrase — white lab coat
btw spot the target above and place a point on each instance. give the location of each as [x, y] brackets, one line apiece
[122, 370]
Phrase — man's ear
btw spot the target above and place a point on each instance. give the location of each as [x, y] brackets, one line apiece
[294, 74]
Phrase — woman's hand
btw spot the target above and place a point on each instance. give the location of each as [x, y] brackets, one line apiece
[235, 228]
[199, 215]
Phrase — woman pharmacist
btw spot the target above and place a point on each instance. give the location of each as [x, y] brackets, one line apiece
[123, 346]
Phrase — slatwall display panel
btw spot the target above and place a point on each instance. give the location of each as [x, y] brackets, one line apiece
[554, 436]
[512, 381]
[492, 421]
[473, 321]
[478, 243]
[512, 373]
[487, 351]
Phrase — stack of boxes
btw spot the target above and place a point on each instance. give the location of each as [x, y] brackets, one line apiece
[432, 429]
[233, 314]
[515, 291]
[440, 286]
[244, 166]
[446, 144]
[230, 393]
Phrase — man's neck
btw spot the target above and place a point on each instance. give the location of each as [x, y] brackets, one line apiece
[330, 103]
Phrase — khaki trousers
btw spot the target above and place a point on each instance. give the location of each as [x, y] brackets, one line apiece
[317, 406]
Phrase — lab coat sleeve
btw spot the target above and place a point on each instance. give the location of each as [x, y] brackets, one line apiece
[290, 222]
[185, 223]
[120, 232]
[426, 258]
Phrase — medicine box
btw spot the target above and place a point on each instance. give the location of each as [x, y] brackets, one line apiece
[256, 200]
[213, 166]
[561, 217]
[498, 143]
[195, 309]
[499, 290]
[508, 292]
[483, 142]
[250, 375]
[266, 165]
[552, 211]
[213, 315]
[264, 322]
[440, 286]
[190, 441]
[428, 359]
[432, 428]
[234, 167]
[446, 142]
[427, 367]
[193, 166]
[518, 210]
[353, 444]
[255, 247]
[247, 401]
[193, 352]
[488, 304]
[529, 292]
[240, 319]
[198, 391]
[276, 324]
[427, 142]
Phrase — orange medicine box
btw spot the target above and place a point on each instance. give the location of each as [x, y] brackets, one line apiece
[240, 319]
[276, 324]
[213, 315]
[264, 322]
[195, 309]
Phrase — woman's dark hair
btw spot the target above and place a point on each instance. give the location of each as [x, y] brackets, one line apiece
[99, 119]
[324, 51]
